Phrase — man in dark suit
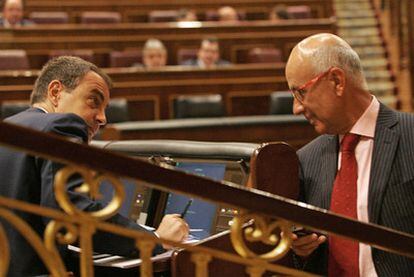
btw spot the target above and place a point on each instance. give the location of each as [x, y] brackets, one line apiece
[13, 14]
[325, 75]
[69, 99]
[208, 55]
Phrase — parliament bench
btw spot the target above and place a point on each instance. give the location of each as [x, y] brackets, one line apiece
[271, 167]
[235, 39]
[245, 89]
[137, 11]
[292, 129]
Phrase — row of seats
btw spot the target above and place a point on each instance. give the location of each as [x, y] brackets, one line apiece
[293, 12]
[85, 18]
[17, 59]
[212, 105]
[297, 12]
[185, 106]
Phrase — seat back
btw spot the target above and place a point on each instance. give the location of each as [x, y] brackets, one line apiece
[100, 17]
[264, 55]
[11, 108]
[13, 60]
[163, 16]
[86, 54]
[125, 58]
[185, 54]
[213, 15]
[49, 17]
[299, 12]
[281, 102]
[117, 111]
[192, 106]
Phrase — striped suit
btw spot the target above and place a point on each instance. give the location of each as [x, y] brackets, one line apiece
[391, 186]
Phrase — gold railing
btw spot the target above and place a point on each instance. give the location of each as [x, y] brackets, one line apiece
[267, 214]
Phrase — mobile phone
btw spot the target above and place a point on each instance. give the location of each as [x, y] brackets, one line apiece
[300, 231]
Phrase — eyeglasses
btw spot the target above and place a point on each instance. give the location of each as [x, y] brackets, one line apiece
[299, 93]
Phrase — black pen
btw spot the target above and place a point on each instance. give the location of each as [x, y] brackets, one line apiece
[186, 208]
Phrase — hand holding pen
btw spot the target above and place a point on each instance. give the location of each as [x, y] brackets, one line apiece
[186, 208]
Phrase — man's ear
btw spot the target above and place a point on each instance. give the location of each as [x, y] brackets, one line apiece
[54, 90]
[338, 79]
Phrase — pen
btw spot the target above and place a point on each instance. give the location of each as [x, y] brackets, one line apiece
[186, 208]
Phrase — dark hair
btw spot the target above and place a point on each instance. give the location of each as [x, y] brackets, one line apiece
[68, 70]
[210, 40]
[183, 13]
[280, 12]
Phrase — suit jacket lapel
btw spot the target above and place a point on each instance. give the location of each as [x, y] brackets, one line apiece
[385, 146]
[329, 169]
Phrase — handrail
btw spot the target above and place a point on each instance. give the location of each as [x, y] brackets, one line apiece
[247, 199]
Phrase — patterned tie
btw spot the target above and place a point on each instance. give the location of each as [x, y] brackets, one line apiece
[344, 253]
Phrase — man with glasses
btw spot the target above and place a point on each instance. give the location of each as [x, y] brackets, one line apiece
[360, 166]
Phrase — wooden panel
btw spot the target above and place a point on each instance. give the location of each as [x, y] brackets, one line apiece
[137, 11]
[245, 88]
[103, 39]
[249, 103]
[28, 77]
[144, 108]
[182, 266]
[296, 132]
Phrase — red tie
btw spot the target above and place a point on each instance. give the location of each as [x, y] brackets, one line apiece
[344, 253]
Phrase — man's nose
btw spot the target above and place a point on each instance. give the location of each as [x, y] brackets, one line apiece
[297, 107]
[101, 118]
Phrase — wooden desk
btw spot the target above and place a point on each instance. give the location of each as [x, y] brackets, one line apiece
[260, 159]
[235, 39]
[167, 73]
[244, 88]
[137, 11]
[283, 182]
[294, 130]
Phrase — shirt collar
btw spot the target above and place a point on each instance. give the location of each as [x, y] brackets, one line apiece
[365, 125]
[42, 109]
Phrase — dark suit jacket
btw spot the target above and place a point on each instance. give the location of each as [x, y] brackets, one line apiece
[31, 179]
[391, 188]
[24, 22]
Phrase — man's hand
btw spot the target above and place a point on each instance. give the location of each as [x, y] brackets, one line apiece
[174, 228]
[304, 246]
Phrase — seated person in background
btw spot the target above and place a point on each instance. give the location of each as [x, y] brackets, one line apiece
[208, 55]
[68, 99]
[13, 14]
[228, 14]
[279, 12]
[186, 15]
[154, 54]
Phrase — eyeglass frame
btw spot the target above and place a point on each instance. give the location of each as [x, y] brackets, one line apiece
[299, 93]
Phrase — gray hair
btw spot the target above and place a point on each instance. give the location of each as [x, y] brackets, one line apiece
[68, 70]
[154, 43]
[4, 2]
[341, 56]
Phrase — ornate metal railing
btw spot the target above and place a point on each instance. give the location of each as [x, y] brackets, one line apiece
[268, 214]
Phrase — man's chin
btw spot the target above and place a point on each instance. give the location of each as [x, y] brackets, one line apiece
[319, 127]
[91, 135]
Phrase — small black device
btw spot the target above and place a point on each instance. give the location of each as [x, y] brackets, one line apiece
[301, 231]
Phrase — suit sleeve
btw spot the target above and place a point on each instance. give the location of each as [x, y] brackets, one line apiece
[317, 261]
[74, 127]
